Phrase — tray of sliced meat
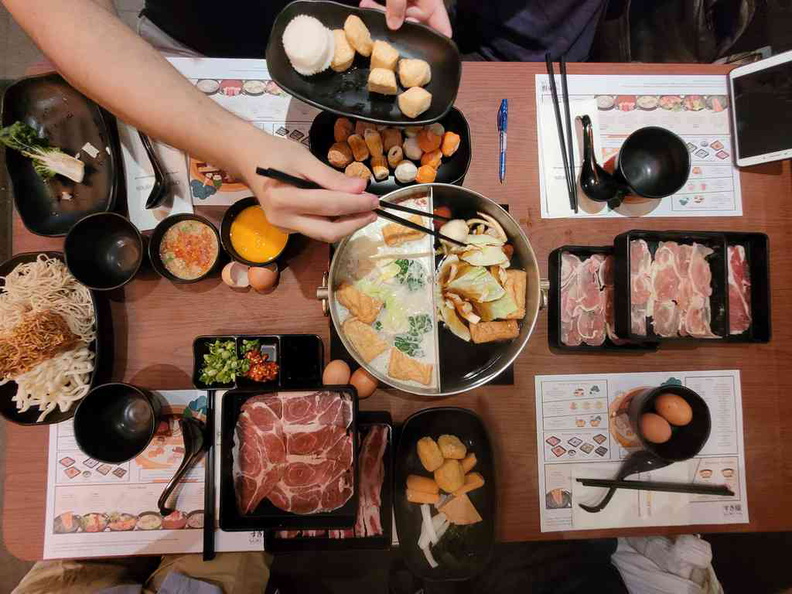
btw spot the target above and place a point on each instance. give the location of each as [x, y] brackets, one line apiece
[288, 459]
[749, 287]
[581, 314]
[374, 525]
[671, 285]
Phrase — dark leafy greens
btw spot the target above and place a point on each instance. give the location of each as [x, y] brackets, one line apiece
[411, 274]
[409, 343]
[48, 160]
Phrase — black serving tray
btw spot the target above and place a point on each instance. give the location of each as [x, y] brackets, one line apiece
[451, 171]
[275, 544]
[346, 93]
[67, 119]
[719, 301]
[300, 356]
[470, 429]
[757, 250]
[102, 348]
[266, 516]
[554, 305]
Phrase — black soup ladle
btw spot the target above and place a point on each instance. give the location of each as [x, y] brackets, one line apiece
[193, 435]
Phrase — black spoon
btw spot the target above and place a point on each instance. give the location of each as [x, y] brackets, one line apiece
[596, 183]
[193, 435]
[159, 189]
[641, 461]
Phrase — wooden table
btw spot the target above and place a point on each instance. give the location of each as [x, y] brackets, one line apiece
[155, 323]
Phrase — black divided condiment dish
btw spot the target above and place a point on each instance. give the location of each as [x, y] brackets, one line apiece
[479, 538]
[100, 346]
[69, 120]
[451, 171]
[266, 515]
[366, 420]
[346, 93]
[554, 306]
[719, 300]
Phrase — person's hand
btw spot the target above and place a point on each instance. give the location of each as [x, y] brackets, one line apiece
[429, 12]
[327, 215]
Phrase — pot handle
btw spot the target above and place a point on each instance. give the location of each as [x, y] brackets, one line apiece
[323, 294]
[544, 290]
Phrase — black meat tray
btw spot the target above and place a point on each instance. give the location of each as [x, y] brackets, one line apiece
[300, 357]
[719, 301]
[275, 544]
[554, 305]
[266, 516]
[757, 250]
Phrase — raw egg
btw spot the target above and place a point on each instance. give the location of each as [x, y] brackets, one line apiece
[655, 428]
[263, 278]
[235, 275]
[674, 409]
[336, 373]
[364, 383]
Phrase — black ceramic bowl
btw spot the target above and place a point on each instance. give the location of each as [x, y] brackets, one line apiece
[686, 441]
[654, 161]
[225, 232]
[115, 422]
[104, 251]
[480, 537]
[451, 171]
[346, 93]
[156, 240]
[69, 120]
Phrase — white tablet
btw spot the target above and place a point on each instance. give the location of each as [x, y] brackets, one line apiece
[761, 97]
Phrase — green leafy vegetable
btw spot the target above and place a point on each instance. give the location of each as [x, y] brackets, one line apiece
[420, 324]
[410, 343]
[250, 345]
[47, 160]
[411, 274]
[221, 364]
[476, 284]
[377, 325]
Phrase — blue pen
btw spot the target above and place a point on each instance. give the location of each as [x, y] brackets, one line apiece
[503, 125]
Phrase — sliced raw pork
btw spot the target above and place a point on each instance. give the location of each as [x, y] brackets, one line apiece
[586, 300]
[739, 290]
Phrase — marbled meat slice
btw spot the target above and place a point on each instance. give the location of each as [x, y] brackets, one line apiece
[372, 475]
[260, 454]
[584, 299]
[739, 290]
[665, 320]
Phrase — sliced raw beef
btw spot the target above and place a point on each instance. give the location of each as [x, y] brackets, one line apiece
[260, 456]
[296, 450]
[739, 290]
[372, 475]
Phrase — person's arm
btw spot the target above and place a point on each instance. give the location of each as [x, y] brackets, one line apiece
[104, 59]
[429, 12]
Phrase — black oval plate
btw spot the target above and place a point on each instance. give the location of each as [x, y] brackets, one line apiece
[451, 171]
[469, 428]
[346, 93]
[67, 119]
[29, 417]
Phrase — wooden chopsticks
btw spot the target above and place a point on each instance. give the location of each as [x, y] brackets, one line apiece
[567, 149]
[305, 184]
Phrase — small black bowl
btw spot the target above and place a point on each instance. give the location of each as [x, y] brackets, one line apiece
[654, 162]
[156, 240]
[225, 232]
[104, 251]
[115, 422]
[687, 440]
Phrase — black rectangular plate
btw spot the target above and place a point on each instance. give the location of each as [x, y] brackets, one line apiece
[274, 544]
[554, 305]
[266, 515]
[757, 250]
[451, 171]
[102, 348]
[719, 301]
[67, 119]
[346, 93]
[470, 429]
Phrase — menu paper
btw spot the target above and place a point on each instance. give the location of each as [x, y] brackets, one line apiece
[694, 107]
[582, 433]
[102, 510]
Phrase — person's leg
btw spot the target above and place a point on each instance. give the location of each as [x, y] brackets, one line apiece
[233, 573]
[77, 576]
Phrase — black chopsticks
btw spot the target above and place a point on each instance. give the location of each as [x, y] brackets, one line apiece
[305, 184]
[209, 481]
[567, 149]
[658, 486]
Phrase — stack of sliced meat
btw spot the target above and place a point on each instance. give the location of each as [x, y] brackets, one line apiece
[673, 289]
[372, 476]
[587, 314]
[739, 290]
[296, 450]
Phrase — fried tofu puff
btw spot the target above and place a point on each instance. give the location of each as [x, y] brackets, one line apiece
[360, 305]
[395, 234]
[403, 367]
[364, 339]
[358, 35]
[494, 331]
[343, 53]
